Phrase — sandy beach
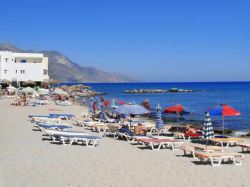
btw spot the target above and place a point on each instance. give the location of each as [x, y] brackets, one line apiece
[29, 159]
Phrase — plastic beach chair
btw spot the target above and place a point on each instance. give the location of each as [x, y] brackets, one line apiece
[216, 159]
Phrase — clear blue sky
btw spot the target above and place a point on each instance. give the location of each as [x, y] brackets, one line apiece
[150, 40]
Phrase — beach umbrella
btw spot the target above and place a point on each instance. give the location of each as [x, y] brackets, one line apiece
[58, 91]
[176, 109]
[27, 90]
[207, 131]
[11, 88]
[113, 103]
[223, 110]
[159, 123]
[131, 109]
[42, 91]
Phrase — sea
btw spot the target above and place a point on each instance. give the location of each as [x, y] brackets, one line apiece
[206, 95]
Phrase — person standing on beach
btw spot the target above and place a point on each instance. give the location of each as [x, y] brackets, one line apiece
[146, 104]
[94, 107]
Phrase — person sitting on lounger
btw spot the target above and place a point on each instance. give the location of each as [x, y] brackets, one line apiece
[126, 130]
[192, 133]
[190, 130]
[140, 130]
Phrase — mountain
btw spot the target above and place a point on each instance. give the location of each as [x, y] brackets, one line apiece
[63, 69]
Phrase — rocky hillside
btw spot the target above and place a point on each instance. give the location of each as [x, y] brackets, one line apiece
[63, 69]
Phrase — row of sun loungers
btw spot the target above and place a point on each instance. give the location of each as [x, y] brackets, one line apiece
[59, 133]
[215, 155]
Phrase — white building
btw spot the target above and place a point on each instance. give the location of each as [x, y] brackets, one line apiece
[19, 67]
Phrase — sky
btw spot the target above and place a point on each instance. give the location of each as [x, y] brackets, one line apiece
[149, 40]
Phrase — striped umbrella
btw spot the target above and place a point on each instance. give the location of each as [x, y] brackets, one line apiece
[207, 131]
[159, 123]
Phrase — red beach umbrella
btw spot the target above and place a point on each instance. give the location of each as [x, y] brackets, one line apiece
[176, 109]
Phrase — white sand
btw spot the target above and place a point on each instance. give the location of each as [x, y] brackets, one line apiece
[27, 160]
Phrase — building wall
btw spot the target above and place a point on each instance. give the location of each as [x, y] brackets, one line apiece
[23, 66]
[45, 64]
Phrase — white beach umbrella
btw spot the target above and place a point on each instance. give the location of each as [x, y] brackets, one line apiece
[11, 88]
[42, 91]
[27, 90]
[60, 92]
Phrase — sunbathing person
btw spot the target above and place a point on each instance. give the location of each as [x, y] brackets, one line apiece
[140, 130]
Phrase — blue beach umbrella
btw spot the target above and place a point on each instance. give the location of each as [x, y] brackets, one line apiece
[207, 131]
[159, 123]
[131, 109]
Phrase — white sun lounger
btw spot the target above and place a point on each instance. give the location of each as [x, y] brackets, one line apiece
[156, 143]
[217, 158]
[88, 140]
[52, 132]
[194, 148]
[244, 146]
[230, 141]
[45, 120]
[42, 126]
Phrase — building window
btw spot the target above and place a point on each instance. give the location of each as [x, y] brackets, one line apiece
[5, 71]
[6, 59]
[16, 71]
[23, 71]
[23, 61]
[15, 60]
[45, 72]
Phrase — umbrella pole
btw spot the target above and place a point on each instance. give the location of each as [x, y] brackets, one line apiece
[177, 121]
[130, 122]
[223, 127]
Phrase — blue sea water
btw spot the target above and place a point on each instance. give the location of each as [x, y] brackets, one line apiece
[209, 94]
